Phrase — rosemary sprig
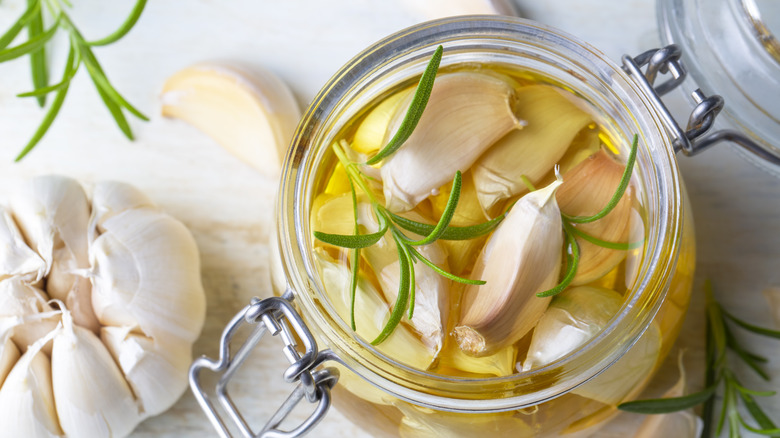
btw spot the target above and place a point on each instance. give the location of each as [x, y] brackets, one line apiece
[571, 232]
[720, 341]
[393, 225]
[80, 53]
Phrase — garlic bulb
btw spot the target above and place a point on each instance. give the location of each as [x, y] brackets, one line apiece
[521, 259]
[573, 318]
[551, 123]
[252, 115]
[114, 345]
[466, 113]
[680, 424]
[373, 313]
[588, 188]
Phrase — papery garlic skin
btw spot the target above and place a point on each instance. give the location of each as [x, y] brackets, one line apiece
[16, 258]
[572, 319]
[551, 123]
[521, 258]
[371, 315]
[466, 113]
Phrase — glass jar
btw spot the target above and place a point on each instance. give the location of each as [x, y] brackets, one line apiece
[390, 399]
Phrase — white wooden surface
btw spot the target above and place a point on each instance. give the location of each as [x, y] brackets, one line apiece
[228, 206]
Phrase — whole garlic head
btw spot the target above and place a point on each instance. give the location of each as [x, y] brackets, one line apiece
[100, 302]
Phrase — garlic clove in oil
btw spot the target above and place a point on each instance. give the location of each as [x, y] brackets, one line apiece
[499, 364]
[588, 187]
[155, 370]
[136, 282]
[521, 258]
[466, 113]
[16, 258]
[551, 123]
[79, 362]
[27, 407]
[572, 319]
[53, 214]
[371, 313]
[370, 134]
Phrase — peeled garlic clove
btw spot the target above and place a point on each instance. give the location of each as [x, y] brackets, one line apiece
[466, 113]
[27, 407]
[252, 115]
[588, 188]
[110, 198]
[573, 318]
[16, 258]
[155, 371]
[682, 424]
[629, 374]
[371, 314]
[146, 274]
[552, 122]
[433, 9]
[521, 258]
[370, 134]
[499, 364]
[53, 214]
[422, 422]
[79, 365]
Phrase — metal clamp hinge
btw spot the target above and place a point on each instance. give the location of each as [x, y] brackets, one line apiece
[277, 316]
[694, 138]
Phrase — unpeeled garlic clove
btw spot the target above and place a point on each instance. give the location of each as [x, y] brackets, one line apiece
[27, 407]
[110, 198]
[79, 361]
[53, 214]
[24, 313]
[16, 258]
[433, 9]
[552, 122]
[371, 313]
[588, 187]
[572, 319]
[521, 258]
[629, 374]
[138, 283]
[155, 371]
[252, 115]
[466, 113]
[682, 424]
[9, 355]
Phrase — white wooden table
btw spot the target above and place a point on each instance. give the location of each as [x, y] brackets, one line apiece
[227, 205]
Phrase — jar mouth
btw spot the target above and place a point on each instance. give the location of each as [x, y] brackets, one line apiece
[572, 64]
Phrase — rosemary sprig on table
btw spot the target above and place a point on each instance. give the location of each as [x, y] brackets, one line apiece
[395, 224]
[720, 341]
[80, 53]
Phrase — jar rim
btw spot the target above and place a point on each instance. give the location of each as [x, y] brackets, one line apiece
[510, 392]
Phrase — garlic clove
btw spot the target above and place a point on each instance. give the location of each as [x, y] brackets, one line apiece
[9, 355]
[335, 215]
[371, 313]
[682, 424]
[370, 134]
[588, 188]
[423, 422]
[572, 319]
[551, 123]
[16, 258]
[27, 407]
[53, 214]
[433, 9]
[461, 253]
[110, 198]
[155, 371]
[453, 361]
[466, 113]
[24, 313]
[629, 374]
[93, 398]
[146, 274]
[252, 115]
[521, 258]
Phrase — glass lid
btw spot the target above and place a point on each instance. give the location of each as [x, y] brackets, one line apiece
[731, 48]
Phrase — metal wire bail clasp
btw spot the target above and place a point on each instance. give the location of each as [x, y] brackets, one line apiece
[692, 139]
[277, 316]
